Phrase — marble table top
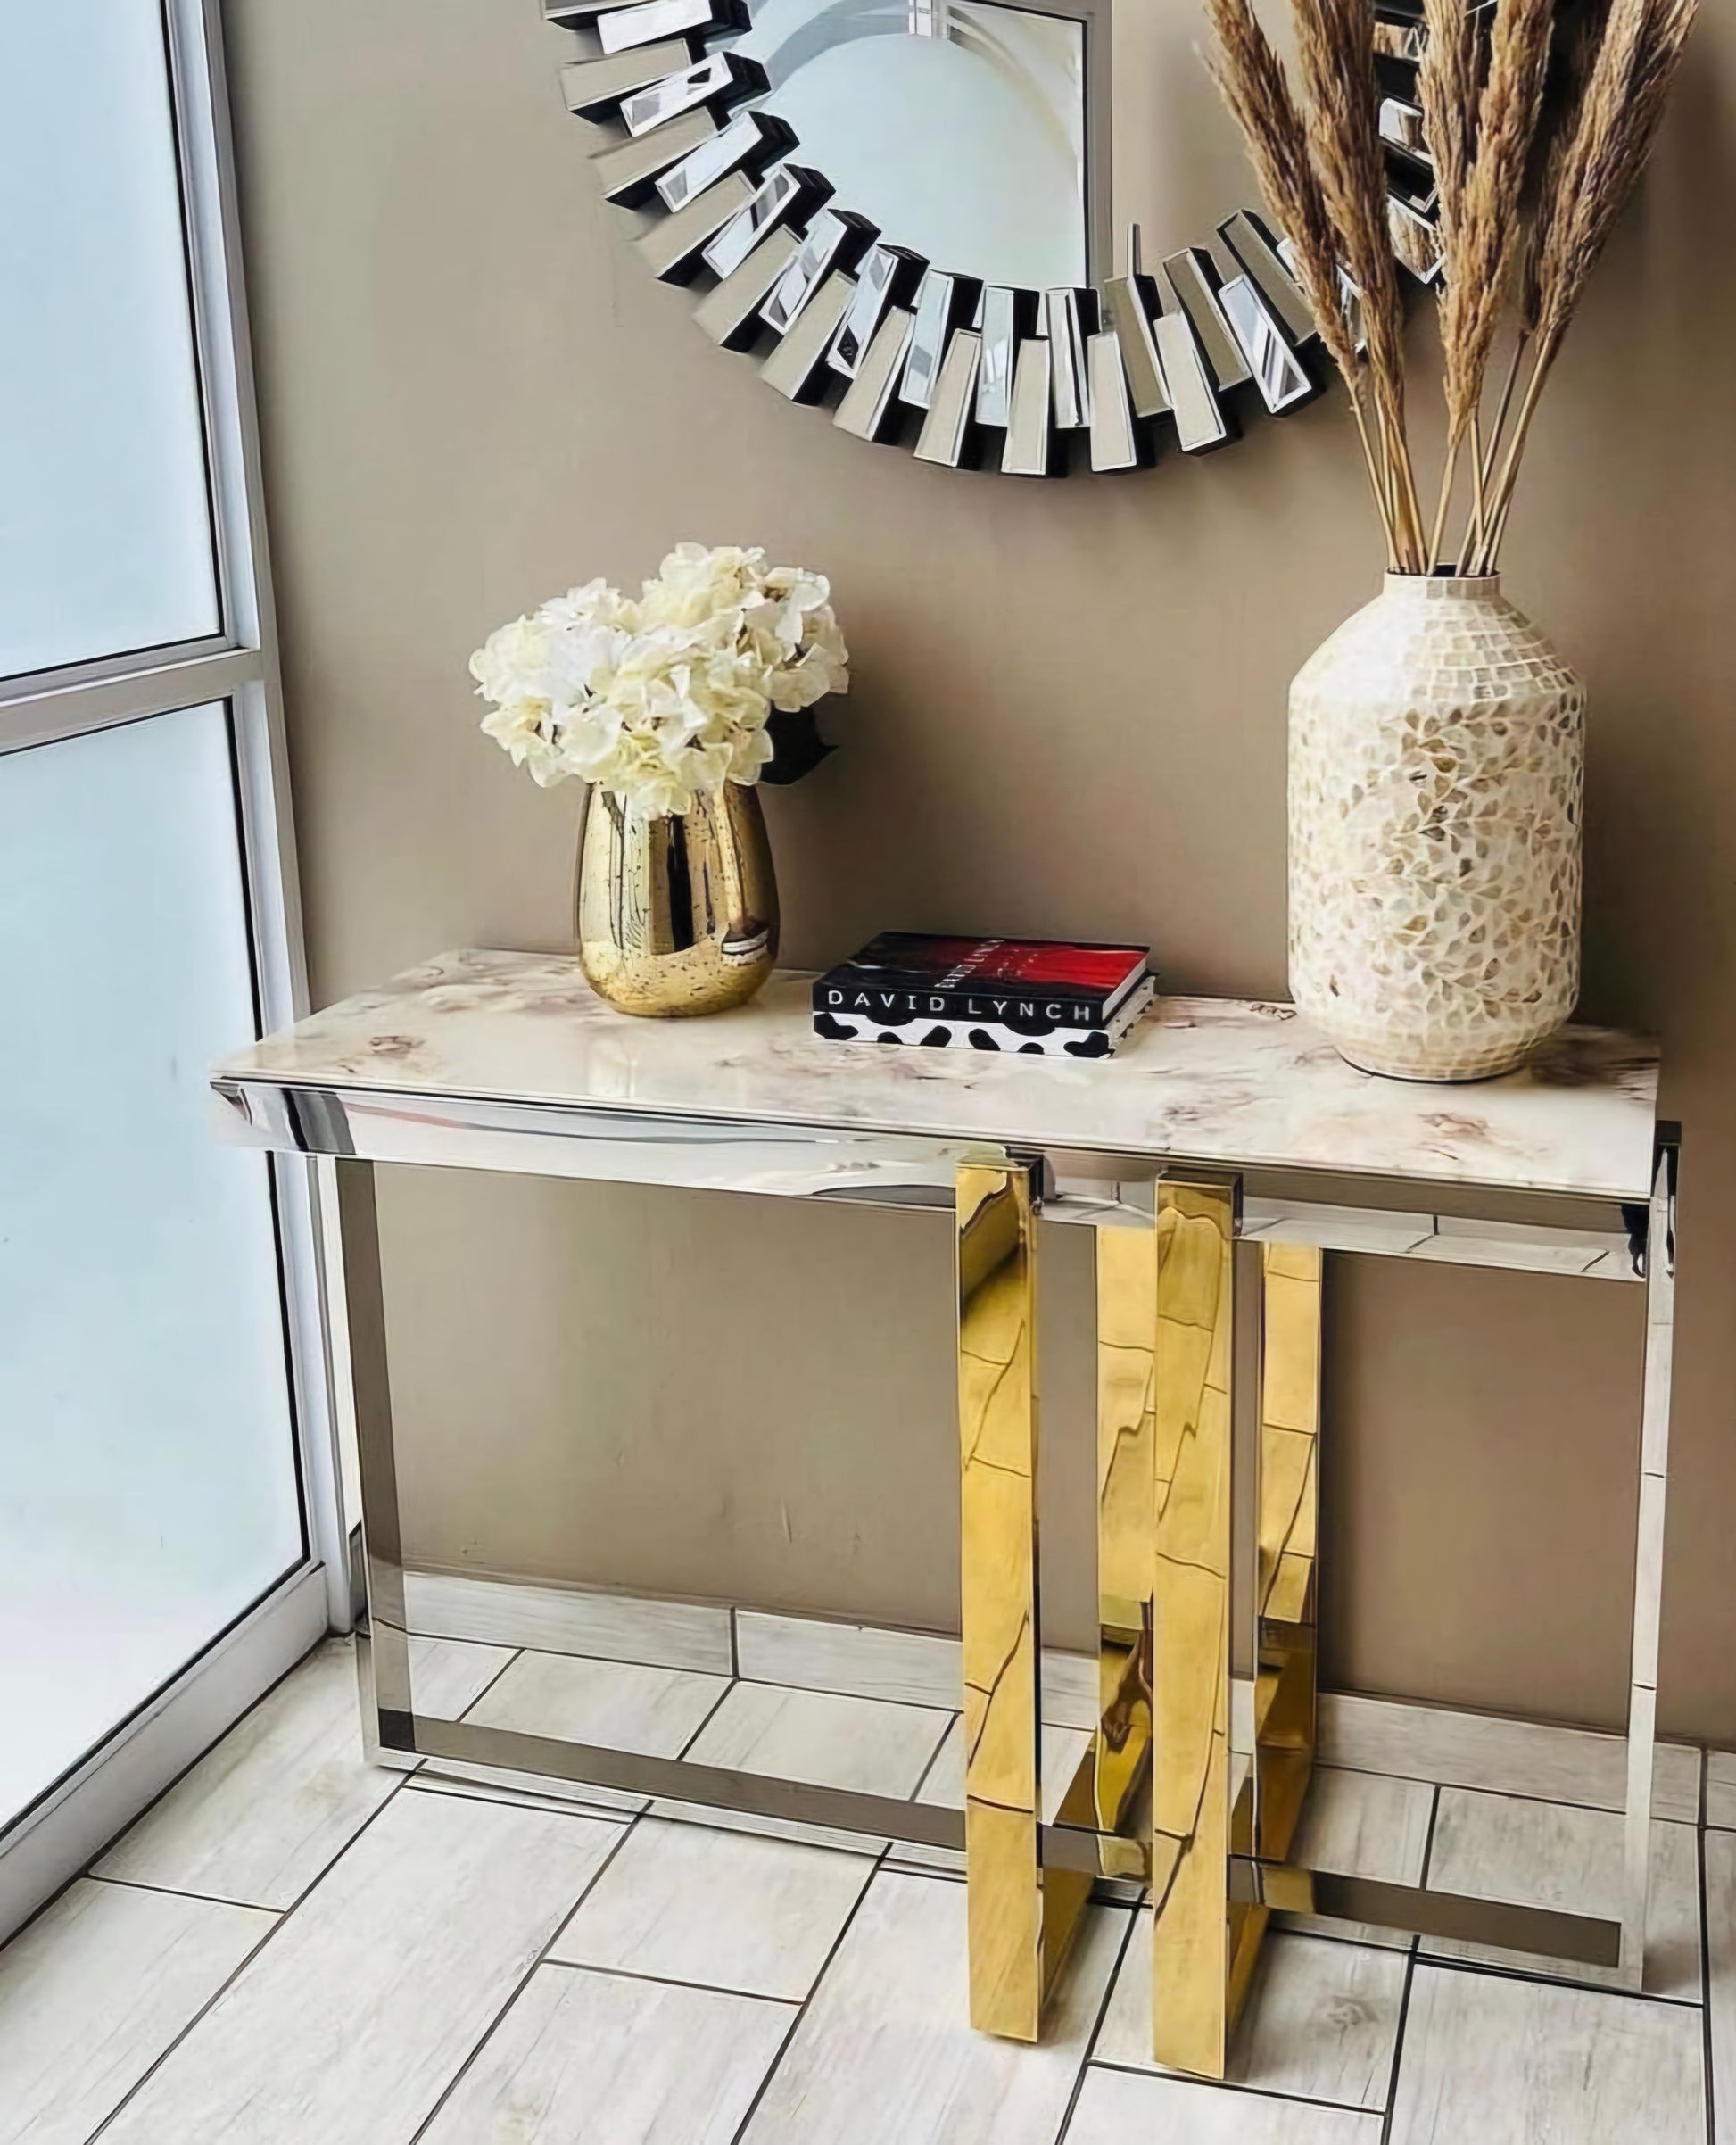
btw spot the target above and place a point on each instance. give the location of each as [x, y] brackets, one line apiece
[1214, 1080]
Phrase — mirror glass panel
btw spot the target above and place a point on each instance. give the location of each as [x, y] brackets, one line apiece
[959, 126]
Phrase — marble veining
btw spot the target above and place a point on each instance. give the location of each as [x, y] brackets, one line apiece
[1214, 1080]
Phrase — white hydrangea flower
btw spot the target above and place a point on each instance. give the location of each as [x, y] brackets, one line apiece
[662, 698]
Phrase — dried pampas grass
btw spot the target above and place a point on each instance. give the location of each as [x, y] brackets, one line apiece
[1482, 141]
[1252, 78]
[1627, 84]
[1335, 44]
[1531, 174]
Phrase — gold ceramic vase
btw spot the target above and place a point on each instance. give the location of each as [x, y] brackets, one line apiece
[677, 915]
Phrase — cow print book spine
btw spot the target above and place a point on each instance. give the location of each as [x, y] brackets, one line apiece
[924, 1031]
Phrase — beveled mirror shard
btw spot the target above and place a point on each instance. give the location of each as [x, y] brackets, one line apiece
[948, 432]
[721, 80]
[944, 303]
[787, 194]
[870, 409]
[1116, 441]
[672, 248]
[576, 15]
[835, 238]
[625, 170]
[1395, 75]
[1349, 298]
[1004, 317]
[1030, 449]
[730, 314]
[1406, 41]
[623, 27]
[1277, 371]
[1201, 422]
[888, 276]
[1192, 276]
[1411, 183]
[1251, 243]
[1126, 307]
[1415, 240]
[1069, 317]
[591, 86]
[1401, 127]
[750, 141]
[797, 366]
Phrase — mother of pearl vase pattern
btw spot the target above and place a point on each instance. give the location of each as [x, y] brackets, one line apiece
[1436, 769]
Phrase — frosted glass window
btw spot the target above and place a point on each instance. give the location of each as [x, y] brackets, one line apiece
[147, 1477]
[105, 539]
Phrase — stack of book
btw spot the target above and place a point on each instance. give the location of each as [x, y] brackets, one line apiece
[1032, 996]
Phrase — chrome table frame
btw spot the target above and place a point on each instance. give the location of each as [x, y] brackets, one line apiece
[1208, 1299]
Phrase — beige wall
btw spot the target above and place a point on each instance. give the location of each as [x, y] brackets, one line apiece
[1069, 717]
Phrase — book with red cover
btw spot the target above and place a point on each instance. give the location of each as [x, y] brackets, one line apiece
[1035, 985]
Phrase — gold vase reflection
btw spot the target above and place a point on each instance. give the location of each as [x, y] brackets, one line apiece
[677, 915]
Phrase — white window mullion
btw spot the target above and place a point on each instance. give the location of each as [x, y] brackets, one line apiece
[232, 421]
[37, 716]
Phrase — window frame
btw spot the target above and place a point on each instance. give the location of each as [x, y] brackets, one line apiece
[52, 1840]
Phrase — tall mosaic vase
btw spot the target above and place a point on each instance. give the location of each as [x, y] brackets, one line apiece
[1436, 770]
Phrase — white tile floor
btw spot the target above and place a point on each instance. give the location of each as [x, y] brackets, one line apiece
[295, 1949]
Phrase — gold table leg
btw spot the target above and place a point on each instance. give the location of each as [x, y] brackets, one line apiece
[1289, 1516]
[1120, 1759]
[1165, 1454]
[1219, 1792]
[1192, 1955]
[998, 1442]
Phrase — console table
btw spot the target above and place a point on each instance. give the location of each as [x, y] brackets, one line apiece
[1215, 1159]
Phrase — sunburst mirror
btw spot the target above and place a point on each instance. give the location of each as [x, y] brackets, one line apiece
[925, 215]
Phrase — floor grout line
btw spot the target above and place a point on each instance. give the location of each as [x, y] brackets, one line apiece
[1512, 1794]
[399, 1782]
[915, 1795]
[870, 1698]
[326, 1638]
[1500, 1969]
[1413, 1951]
[711, 1712]
[1491, 1971]
[667, 1810]
[1096, 2028]
[1495, 1971]
[401, 1778]
[663, 1980]
[514, 1653]
[1389, 2111]
[783, 2047]
[524, 1982]
[1227, 2085]
[934, 1759]
[179, 1891]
